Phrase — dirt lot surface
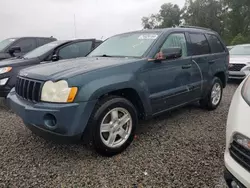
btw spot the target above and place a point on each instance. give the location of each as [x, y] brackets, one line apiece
[183, 148]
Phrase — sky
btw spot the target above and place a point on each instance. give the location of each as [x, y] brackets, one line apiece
[93, 18]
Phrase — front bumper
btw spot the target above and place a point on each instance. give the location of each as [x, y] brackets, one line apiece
[5, 89]
[231, 181]
[237, 75]
[4, 92]
[69, 120]
[238, 121]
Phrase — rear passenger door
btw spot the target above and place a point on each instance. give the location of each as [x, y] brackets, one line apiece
[219, 58]
[74, 50]
[200, 50]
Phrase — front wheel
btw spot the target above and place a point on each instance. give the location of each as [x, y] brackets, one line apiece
[213, 99]
[114, 122]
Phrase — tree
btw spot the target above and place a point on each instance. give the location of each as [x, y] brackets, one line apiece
[203, 13]
[151, 22]
[230, 18]
[168, 16]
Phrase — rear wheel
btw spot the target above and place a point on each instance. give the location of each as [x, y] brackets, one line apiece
[114, 122]
[213, 99]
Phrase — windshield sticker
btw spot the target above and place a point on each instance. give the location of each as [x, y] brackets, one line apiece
[12, 40]
[148, 37]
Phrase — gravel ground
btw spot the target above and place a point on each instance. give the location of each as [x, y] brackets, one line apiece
[183, 148]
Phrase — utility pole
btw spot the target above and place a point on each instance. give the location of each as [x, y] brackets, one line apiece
[75, 24]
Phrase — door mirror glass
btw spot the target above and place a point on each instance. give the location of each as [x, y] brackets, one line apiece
[14, 49]
[169, 53]
[55, 57]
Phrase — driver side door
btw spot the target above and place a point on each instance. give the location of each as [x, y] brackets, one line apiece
[169, 80]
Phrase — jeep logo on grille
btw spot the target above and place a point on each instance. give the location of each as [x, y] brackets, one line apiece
[24, 74]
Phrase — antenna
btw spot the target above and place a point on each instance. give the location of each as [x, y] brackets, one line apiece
[75, 24]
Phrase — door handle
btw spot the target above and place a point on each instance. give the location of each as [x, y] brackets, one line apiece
[211, 62]
[188, 66]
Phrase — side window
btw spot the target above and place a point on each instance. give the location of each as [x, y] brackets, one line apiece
[176, 40]
[199, 45]
[84, 48]
[26, 45]
[75, 50]
[41, 41]
[216, 46]
[68, 52]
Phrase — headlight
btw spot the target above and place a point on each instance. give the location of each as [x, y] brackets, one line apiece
[245, 90]
[242, 140]
[5, 69]
[58, 92]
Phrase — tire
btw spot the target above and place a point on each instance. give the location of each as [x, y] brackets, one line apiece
[106, 109]
[207, 102]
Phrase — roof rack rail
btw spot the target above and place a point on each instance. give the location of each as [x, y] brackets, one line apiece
[195, 27]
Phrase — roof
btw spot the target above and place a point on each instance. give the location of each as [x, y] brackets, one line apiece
[182, 28]
[31, 37]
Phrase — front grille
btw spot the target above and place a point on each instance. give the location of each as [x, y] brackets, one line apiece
[240, 154]
[236, 67]
[28, 89]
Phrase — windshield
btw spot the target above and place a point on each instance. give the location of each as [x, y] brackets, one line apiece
[126, 45]
[240, 50]
[42, 49]
[5, 43]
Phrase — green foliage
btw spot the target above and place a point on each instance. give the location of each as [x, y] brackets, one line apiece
[239, 39]
[230, 18]
[168, 16]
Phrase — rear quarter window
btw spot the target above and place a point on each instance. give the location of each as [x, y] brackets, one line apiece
[215, 44]
[199, 44]
[42, 41]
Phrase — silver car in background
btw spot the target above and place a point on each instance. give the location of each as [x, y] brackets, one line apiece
[229, 47]
[239, 64]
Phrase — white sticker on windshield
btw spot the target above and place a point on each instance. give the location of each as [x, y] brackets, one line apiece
[148, 37]
[12, 40]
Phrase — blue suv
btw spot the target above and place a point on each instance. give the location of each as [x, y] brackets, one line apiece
[130, 76]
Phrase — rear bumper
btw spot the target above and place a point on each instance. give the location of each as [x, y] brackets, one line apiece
[53, 121]
[237, 75]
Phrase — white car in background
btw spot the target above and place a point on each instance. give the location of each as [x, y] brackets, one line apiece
[237, 154]
[239, 63]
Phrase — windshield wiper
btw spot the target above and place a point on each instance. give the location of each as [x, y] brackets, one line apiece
[104, 55]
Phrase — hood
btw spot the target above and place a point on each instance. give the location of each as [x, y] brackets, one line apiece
[68, 68]
[239, 59]
[14, 62]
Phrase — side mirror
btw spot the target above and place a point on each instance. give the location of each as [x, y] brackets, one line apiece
[169, 53]
[55, 57]
[14, 49]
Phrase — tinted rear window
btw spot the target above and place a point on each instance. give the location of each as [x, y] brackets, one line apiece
[42, 41]
[199, 45]
[216, 46]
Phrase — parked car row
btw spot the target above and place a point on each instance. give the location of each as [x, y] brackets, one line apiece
[50, 52]
[131, 76]
[128, 77]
